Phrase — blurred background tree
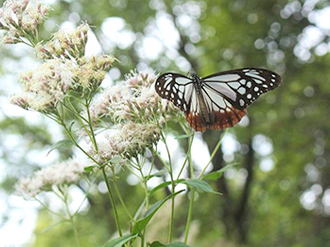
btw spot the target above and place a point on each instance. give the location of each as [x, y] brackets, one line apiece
[279, 194]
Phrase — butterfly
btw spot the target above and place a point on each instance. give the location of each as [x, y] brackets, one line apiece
[217, 101]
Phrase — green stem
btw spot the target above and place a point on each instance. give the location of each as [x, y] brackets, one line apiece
[189, 217]
[112, 201]
[144, 181]
[71, 217]
[187, 156]
[129, 167]
[83, 121]
[90, 125]
[74, 140]
[170, 169]
[162, 160]
[37, 37]
[54, 117]
[142, 241]
[145, 190]
[75, 231]
[213, 154]
[172, 216]
[191, 203]
[122, 201]
[48, 210]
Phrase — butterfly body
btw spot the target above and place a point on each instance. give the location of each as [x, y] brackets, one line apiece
[205, 114]
[217, 101]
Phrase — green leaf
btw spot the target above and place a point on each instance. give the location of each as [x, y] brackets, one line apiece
[141, 224]
[176, 244]
[63, 144]
[218, 174]
[138, 212]
[119, 242]
[163, 185]
[157, 174]
[158, 187]
[157, 244]
[200, 185]
[89, 168]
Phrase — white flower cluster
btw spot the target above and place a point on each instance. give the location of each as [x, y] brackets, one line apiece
[51, 81]
[138, 80]
[133, 100]
[66, 45]
[137, 113]
[45, 86]
[126, 140]
[21, 18]
[92, 70]
[67, 172]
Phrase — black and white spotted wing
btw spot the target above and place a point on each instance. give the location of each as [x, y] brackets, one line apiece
[217, 101]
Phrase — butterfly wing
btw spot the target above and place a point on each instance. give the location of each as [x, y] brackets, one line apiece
[228, 93]
[241, 87]
[178, 89]
[223, 113]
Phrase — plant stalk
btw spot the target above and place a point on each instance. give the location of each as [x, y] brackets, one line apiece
[112, 202]
[191, 203]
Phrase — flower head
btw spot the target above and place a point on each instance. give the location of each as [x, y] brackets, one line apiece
[126, 140]
[65, 44]
[139, 137]
[92, 70]
[137, 80]
[112, 95]
[66, 172]
[45, 86]
[21, 18]
[134, 100]
[51, 82]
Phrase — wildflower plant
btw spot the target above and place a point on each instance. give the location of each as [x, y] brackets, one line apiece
[117, 127]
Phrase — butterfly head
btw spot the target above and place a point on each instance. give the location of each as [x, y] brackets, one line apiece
[194, 75]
